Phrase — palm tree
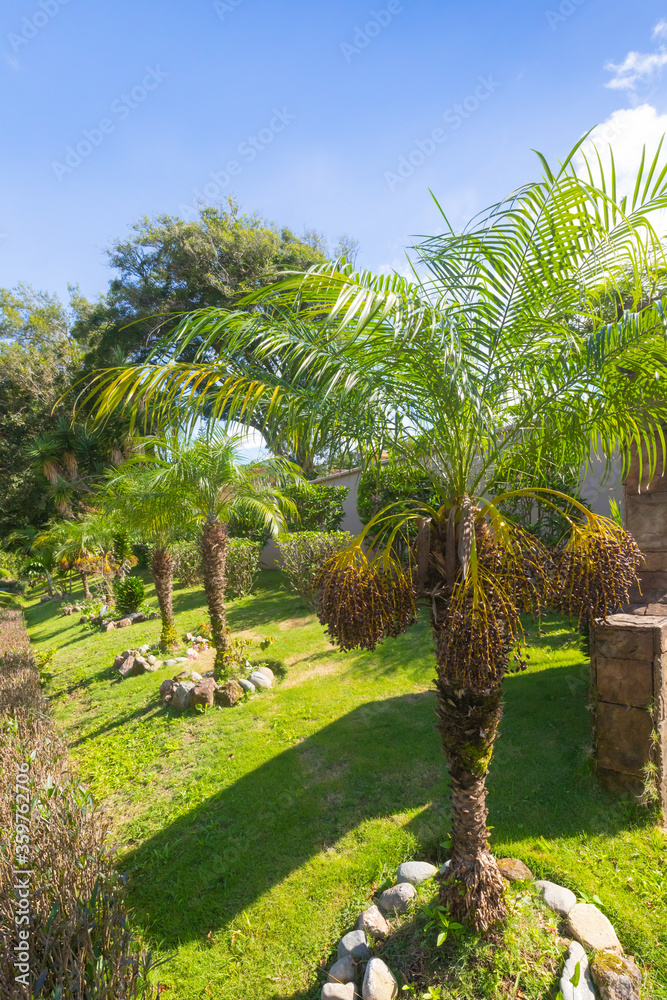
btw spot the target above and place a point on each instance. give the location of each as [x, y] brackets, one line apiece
[203, 483]
[84, 544]
[507, 349]
[132, 496]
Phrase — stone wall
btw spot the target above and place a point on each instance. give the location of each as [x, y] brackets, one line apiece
[629, 666]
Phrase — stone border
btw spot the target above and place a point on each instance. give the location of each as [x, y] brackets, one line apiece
[615, 975]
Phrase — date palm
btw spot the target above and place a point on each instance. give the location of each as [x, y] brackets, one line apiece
[509, 348]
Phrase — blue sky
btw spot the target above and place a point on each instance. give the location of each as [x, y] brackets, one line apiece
[304, 110]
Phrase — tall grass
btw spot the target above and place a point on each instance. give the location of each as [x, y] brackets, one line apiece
[79, 945]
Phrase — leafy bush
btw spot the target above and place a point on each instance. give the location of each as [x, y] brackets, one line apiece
[80, 943]
[249, 525]
[130, 594]
[320, 507]
[11, 563]
[381, 485]
[242, 565]
[304, 553]
[187, 563]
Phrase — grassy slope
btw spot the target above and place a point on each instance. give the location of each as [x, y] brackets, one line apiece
[254, 835]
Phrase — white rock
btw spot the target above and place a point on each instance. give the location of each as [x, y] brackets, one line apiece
[246, 684]
[342, 971]
[181, 659]
[195, 676]
[354, 943]
[372, 921]
[398, 898]
[259, 680]
[170, 663]
[444, 868]
[590, 926]
[415, 872]
[584, 989]
[557, 897]
[145, 648]
[182, 698]
[151, 658]
[379, 982]
[338, 991]
[268, 672]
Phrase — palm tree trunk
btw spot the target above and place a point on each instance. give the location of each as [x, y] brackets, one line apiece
[214, 542]
[468, 723]
[162, 568]
[86, 589]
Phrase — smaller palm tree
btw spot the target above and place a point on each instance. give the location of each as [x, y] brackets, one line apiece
[134, 498]
[204, 483]
[84, 544]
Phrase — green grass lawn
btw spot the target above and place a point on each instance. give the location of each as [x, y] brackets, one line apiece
[253, 836]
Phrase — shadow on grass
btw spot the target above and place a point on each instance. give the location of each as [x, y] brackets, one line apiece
[380, 760]
[152, 708]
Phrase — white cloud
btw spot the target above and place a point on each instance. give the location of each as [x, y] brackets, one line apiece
[626, 131]
[639, 67]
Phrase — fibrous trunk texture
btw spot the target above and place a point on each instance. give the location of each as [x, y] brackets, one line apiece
[214, 544]
[86, 589]
[162, 568]
[468, 723]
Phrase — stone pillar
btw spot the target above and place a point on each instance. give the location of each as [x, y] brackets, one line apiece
[629, 667]
[646, 520]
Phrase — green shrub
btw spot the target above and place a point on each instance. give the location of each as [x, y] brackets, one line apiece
[304, 553]
[320, 507]
[248, 524]
[11, 562]
[130, 594]
[381, 485]
[242, 565]
[187, 563]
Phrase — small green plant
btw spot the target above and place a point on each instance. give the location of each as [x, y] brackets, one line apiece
[44, 657]
[130, 594]
[438, 919]
[236, 658]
